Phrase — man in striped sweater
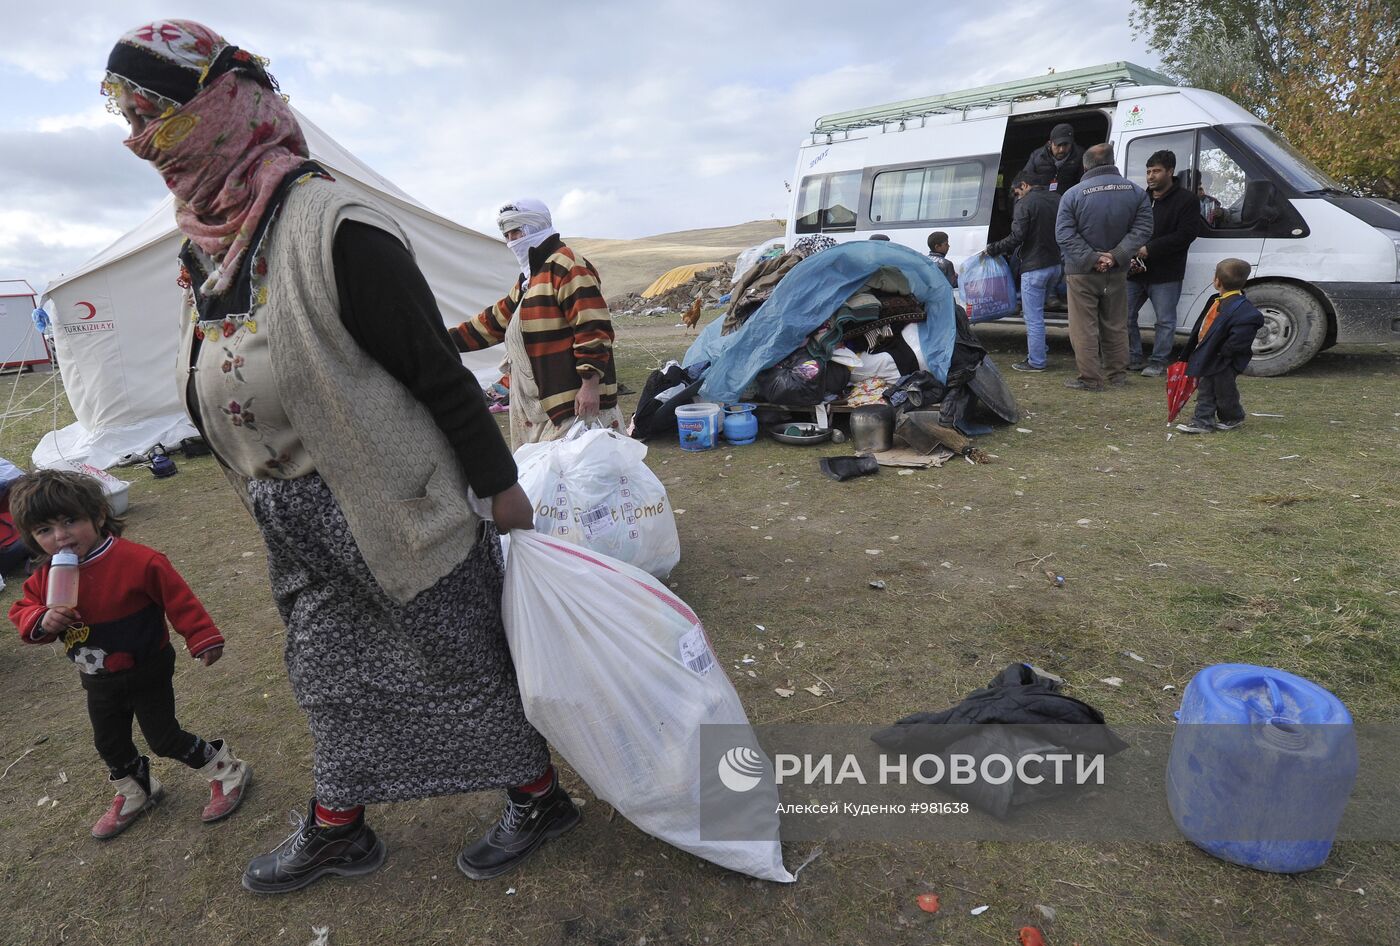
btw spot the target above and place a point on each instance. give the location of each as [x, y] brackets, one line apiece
[556, 328]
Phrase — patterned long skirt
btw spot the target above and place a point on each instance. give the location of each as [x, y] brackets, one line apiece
[405, 701]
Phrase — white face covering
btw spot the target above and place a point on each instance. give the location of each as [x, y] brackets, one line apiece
[522, 247]
[531, 216]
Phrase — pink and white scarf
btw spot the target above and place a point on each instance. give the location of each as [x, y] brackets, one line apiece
[222, 154]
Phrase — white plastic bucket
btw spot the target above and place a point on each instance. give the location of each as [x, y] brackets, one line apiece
[698, 425]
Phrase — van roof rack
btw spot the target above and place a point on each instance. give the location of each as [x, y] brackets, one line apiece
[1058, 84]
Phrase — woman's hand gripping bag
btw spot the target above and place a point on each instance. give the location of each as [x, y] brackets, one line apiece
[618, 674]
[592, 488]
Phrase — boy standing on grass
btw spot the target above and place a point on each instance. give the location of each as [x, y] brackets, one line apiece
[1219, 349]
[118, 638]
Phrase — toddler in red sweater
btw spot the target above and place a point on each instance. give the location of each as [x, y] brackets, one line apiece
[118, 638]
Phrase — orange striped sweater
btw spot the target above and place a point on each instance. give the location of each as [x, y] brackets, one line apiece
[566, 326]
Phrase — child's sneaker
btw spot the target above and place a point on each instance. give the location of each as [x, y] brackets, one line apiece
[229, 778]
[1195, 428]
[1223, 425]
[132, 800]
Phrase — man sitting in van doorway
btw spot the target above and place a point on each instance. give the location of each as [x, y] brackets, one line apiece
[1060, 158]
[1033, 231]
[1101, 222]
[1159, 267]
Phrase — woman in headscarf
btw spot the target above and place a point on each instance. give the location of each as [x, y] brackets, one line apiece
[556, 328]
[315, 363]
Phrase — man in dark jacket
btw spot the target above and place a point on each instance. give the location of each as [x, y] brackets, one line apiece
[1219, 349]
[1060, 159]
[1158, 268]
[1033, 231]
[1101, 222]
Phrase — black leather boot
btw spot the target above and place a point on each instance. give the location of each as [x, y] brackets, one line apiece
[528, 822]
[311, 852]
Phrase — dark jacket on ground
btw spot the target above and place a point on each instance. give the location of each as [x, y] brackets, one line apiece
[1033, 230]
[1063, 177]
[1228, 344]
[1176, 221]
[1033, 717]
[1103, 213]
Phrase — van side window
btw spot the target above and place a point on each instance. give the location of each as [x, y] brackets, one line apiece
[1222, 184]
[1180, 143]
[828, 202]
[809, 205]
[842, 199]
[948, 192]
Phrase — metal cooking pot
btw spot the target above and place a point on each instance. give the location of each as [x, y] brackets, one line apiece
[872, 428]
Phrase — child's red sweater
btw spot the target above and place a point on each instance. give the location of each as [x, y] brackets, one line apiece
[126, 592]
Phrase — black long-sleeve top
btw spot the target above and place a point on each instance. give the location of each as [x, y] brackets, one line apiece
[388, 308]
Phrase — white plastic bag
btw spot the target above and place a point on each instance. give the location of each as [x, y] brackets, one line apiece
[617, 673]
[592, 487]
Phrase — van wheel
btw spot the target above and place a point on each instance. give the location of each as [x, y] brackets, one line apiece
[1295, 328]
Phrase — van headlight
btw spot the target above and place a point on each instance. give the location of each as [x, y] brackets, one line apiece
[1395, 241]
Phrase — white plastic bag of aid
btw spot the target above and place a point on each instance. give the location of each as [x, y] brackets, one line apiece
[618, 674]
[592, 488]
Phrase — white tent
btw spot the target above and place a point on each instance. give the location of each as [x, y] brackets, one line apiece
[20, 342]
[116, 318]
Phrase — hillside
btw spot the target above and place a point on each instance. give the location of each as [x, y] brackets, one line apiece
[632, 265]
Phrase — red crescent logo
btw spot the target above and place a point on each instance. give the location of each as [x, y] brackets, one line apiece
[92, 310]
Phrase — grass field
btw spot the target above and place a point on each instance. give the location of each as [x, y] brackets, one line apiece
[1275, 544]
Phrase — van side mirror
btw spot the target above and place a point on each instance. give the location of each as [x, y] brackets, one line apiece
[1260, 203]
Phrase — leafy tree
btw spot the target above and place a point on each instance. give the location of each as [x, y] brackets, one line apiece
[1326, 73]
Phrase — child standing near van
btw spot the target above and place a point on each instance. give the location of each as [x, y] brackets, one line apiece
[938, 249]
[118, 638]
[1220, 347]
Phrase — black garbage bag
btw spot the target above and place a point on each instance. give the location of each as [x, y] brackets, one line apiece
[656, 417]
[990, 389]
[800, 380]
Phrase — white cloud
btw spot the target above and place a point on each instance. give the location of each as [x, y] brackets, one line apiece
[27, 228]
[631, 118]
[95, 117]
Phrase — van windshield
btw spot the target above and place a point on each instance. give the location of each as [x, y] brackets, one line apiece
[1295, 169]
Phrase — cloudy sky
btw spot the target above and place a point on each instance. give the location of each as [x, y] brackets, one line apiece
[628, 118]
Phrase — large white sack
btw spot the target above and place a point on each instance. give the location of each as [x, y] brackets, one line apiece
[618, 674]
[592, 488]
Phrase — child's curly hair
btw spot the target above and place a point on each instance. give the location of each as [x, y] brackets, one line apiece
[45, 495]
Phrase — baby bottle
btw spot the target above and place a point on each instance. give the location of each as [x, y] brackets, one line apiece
[63, 580]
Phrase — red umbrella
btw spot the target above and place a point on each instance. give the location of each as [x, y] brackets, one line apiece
[1179, 389]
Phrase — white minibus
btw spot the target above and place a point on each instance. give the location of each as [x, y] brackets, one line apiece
[1325, 262]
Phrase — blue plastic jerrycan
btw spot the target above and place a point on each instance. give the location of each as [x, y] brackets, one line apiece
[1261, 767]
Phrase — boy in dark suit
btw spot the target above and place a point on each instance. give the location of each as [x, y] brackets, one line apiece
[1219, 349]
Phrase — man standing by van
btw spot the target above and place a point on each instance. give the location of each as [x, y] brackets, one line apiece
[1061, 159]
[1101, 223]
[1160, 264]
[1033, 230]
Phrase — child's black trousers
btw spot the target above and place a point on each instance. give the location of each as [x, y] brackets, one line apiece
[146, 692]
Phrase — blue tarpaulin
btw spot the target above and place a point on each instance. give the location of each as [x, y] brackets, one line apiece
[809, 295]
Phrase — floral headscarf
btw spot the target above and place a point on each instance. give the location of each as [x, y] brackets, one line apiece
[223, 141]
